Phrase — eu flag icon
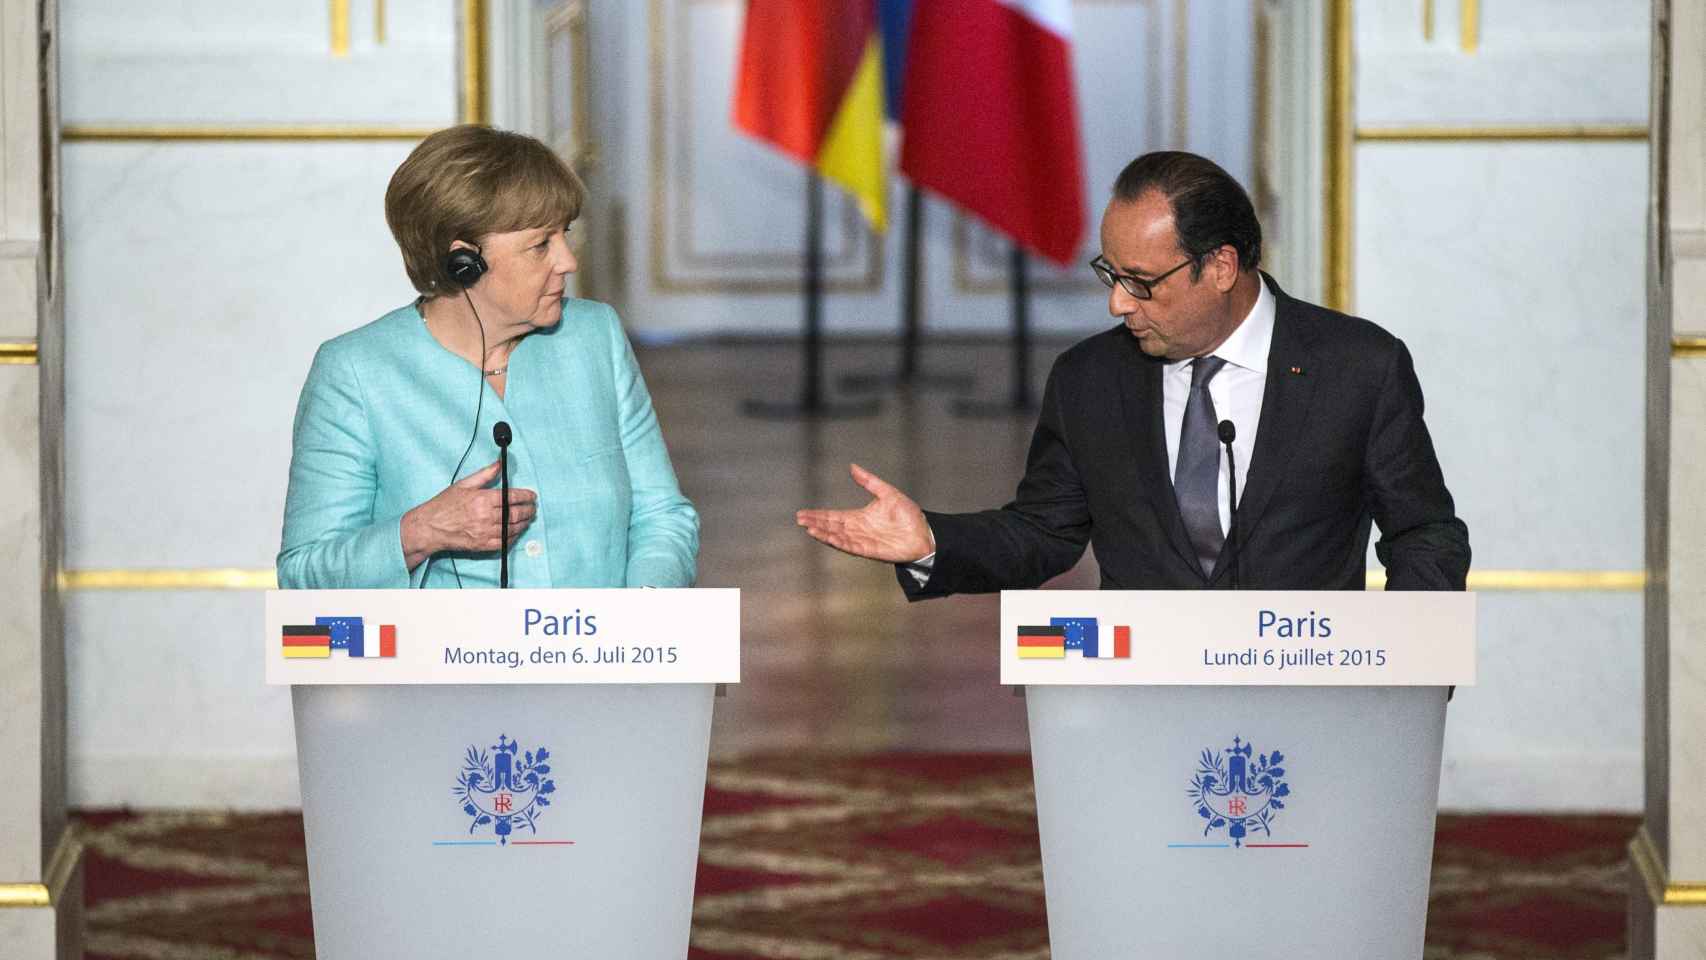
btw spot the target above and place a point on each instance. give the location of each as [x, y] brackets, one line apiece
[347, 634]
[1081, 634]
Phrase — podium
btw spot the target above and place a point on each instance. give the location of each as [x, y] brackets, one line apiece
[1236, 774]
[497, 773]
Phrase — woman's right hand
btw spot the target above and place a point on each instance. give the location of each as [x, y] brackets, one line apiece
[465, 516]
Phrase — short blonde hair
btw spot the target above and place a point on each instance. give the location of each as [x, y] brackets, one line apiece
[466, 182]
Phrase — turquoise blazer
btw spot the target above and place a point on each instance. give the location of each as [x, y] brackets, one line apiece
[387, 412]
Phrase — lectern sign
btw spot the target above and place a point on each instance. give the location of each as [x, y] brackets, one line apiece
[1271, 638]
[502, 636]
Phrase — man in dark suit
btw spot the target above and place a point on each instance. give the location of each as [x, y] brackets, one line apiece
[1325, 419]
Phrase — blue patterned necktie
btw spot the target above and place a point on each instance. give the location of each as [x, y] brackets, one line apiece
[1196, 478]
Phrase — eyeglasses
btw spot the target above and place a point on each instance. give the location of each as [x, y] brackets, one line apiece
[1138, 287]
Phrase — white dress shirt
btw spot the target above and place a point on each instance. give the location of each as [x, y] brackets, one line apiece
[1237, 394]
[1236, 391]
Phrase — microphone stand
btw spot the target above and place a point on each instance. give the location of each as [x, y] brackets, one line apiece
[501, 436]
[1228, 433]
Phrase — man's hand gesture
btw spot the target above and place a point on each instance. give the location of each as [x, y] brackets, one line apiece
[890, 528]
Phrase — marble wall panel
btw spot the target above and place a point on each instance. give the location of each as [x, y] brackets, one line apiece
[30, 933]
[1550, 61]
[1554, 720]
[20, 628]
[18, 291]
[168, 704]
[1514, 273]
[200, 280]
[203, 62]
[1686, 854]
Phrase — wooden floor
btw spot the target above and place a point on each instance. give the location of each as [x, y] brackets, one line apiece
[834, 658]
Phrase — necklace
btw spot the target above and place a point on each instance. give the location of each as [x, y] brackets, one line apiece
[498, 372]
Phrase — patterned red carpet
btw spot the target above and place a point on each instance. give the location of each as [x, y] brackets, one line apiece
[842, 858]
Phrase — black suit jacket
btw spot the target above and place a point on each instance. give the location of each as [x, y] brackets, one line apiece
[1341, 443]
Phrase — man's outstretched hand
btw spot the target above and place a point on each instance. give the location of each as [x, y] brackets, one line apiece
[890, 528]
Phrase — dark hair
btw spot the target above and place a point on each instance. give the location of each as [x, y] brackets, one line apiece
[1210, 209]
[465, 182]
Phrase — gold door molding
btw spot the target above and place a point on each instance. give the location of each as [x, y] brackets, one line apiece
[61, 867]
[1660, 889]
[1474, 132]
[19, 351]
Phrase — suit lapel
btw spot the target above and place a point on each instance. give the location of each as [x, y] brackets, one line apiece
[1285, 410]
[1141, 400]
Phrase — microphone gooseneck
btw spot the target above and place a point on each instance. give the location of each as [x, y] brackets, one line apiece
[501, 436]
[1228, 433]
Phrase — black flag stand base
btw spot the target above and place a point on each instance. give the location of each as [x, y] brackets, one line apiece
[1020, 401]
[812, 403]
[908, 374]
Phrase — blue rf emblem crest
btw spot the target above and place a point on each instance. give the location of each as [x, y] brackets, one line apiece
[505, 788]
[1237, 794]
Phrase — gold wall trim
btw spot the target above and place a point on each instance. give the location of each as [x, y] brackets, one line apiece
[1644, 854]
[1340, 120]
[1469, 25]
[1542, 581]
[61, 867]
[474, 106]
[216, 578]
[1471, 132]
[19, 351]
[236, 578]
[1688, 347]
[340, 28]
[1181, 74]
[277, 131]
[24, 895]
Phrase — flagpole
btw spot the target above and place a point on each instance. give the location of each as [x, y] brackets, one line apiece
[910, 373]
[1018, 281]
[812, 402]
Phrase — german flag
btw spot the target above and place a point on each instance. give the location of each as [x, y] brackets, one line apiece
[1038, 643]
[810, 83]
[307, 641]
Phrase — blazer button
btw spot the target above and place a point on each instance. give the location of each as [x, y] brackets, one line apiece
[534, 548]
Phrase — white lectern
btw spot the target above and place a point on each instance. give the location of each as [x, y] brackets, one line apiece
[502, 773]
[1236, 774]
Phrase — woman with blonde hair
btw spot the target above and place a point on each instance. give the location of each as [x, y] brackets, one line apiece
[393, 457]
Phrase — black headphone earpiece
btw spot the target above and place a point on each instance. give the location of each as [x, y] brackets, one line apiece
[465, 266]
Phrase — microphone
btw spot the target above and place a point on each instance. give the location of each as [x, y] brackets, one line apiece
[501, 436]
[1228, 433]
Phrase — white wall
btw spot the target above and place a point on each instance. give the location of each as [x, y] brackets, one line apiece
[1515, 272]
[200, 276]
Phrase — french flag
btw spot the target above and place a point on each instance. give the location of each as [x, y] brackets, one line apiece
[990, 119]
[1084, 635]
